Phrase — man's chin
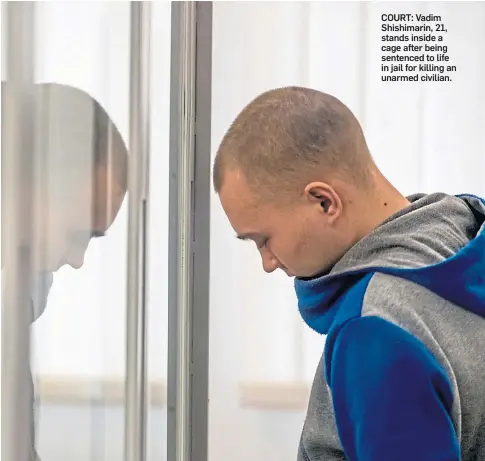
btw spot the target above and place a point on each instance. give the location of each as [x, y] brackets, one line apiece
[58, 266]
[313, 276]
[287, 272]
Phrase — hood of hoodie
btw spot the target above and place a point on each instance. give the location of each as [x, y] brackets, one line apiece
[438, 242]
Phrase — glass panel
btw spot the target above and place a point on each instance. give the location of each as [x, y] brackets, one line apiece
[79, 244]
[157, 275]
[18, 252]
[425, 136]
[82, 56]
[79, 341]
[78, 335]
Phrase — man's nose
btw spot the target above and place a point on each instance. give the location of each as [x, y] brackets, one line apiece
[76, 259]
[270, 263]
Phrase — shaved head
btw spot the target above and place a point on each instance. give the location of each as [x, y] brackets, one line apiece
[287, 137]
[294, 176]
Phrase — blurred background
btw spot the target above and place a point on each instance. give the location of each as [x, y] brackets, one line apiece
[426, 137]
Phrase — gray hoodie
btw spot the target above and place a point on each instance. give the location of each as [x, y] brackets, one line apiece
[402, 376]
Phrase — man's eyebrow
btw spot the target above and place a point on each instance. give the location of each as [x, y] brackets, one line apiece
[248, 235]
[97, 233]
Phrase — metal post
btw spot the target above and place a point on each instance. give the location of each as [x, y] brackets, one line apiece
[182, 99]
[18, 175]
[136, 354]
[189, 231]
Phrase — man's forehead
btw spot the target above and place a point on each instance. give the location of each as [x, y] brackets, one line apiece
[236, 192]
[245, 212]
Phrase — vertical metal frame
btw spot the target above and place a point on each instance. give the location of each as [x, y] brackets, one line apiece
[201, 241]
[18, 176]
[136, 399]
[189, 231]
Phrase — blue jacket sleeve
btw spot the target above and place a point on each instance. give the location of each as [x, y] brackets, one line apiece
[392, 400]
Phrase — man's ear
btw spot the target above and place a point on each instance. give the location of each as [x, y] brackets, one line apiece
[325, 197]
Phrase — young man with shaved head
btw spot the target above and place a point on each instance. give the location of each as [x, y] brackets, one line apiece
[395, 283]
[82, 181]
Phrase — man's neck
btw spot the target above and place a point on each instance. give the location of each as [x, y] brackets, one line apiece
[384, 202]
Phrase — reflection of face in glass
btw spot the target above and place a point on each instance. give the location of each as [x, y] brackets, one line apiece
[70, 221]
[79, 181]
[80, 175]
